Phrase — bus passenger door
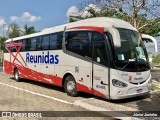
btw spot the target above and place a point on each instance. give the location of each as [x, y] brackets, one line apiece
[100, 69]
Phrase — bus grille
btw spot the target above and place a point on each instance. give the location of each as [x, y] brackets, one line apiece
[138, 83]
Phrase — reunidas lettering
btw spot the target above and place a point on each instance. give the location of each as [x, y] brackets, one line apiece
[44, 58]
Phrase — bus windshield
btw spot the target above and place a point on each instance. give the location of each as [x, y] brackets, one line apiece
[132, 54]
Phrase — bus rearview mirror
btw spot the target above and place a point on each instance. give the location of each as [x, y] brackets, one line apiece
[151, 39]
[116, 36]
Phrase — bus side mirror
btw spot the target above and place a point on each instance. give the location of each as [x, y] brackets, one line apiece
[115, 35]
[151, 39]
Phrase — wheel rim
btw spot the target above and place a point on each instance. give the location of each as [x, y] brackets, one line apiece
[71, 86]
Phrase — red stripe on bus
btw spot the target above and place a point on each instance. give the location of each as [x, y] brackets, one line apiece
[98, 29]
[31, 74]
[83, 88]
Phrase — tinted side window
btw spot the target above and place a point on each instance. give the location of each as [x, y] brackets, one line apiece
[53, 41]
[33, 44]
[79, 43]
[59, 40]
[38, 43]
[5, 50]
[97, 36]
[28, 44]
[45, 42]
[20, 41]
[100, 53]
[23, 45]
[13, 49]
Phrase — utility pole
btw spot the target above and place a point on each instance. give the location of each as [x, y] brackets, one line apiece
[3, 29]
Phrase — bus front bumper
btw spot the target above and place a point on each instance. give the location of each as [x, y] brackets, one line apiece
[130, 92]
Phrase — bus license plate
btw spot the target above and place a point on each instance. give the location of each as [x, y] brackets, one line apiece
[139, 90]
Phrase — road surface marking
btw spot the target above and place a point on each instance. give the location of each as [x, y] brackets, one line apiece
[42, 95]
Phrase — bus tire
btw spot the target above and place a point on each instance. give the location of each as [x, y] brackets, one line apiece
[70, 86]
[16, 75]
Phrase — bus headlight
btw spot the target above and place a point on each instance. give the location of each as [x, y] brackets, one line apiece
[118, 83]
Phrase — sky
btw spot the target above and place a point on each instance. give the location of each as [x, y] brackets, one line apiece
[38, 13]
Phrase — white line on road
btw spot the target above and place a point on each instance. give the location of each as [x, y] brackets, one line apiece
[42, 95]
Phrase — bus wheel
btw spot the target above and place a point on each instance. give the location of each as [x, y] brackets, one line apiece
[16, 75]
[70, 86]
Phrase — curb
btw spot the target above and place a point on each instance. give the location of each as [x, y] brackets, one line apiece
[104, 111]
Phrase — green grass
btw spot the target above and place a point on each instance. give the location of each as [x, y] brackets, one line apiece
[156, 67]
[154, 87]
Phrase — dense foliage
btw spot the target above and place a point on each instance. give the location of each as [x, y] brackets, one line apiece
[2, 40]
[156, 59]
[14, 30]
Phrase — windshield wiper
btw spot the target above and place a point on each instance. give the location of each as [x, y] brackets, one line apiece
[129, 61]
[126, 65]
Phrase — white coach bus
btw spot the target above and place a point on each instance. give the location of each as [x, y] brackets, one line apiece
[101, 56]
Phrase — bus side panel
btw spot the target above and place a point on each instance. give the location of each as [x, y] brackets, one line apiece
[28, 71]
[8, 67]
[80, 69]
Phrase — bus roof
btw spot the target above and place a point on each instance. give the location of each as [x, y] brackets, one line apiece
[104, 22]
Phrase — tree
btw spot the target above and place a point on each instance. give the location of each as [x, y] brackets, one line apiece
[150, 55]
[13, 30]
[2, 40]
[29, 30]
[156, 59]
[142, 14]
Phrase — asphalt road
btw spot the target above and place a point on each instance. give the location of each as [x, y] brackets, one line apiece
[155, 74]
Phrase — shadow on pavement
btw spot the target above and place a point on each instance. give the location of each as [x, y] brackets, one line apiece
[126, 100]
[53, 87]
[150, 104]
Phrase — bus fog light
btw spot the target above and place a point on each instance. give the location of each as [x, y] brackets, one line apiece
[119, 92]
[118, 83]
